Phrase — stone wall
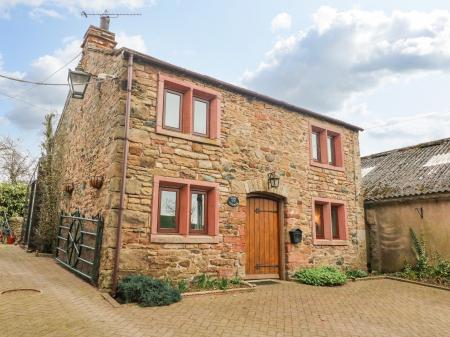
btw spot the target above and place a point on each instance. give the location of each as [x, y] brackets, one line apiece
[89, 142]
[256, 138]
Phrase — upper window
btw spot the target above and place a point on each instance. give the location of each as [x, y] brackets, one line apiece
[187, 111]
[182, 206]
[172, 109]
[329, 223]
[315, 146]
[326, 148]
[200, 116]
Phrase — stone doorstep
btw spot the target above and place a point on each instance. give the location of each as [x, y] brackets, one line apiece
[38, 254]
[387, 277]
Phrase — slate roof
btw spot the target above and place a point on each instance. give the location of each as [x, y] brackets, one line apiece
[416, 170]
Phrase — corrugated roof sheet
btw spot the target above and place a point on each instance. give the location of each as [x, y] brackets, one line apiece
[415, 170]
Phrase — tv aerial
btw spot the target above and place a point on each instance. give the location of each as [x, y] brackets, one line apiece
[106, 16]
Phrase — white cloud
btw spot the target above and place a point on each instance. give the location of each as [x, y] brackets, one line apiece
[349, 52]
[135, 42]
[43, 99]
[38, 13]
[281, 21]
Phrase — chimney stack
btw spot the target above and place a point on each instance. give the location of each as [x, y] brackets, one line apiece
[99, 38]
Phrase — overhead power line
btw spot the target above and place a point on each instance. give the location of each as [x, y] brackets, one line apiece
[32, 82]
[22, 100]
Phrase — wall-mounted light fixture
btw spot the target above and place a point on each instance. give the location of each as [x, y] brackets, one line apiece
[78, 82]
[273, 181]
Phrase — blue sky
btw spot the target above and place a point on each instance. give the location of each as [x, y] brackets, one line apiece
[382, 65]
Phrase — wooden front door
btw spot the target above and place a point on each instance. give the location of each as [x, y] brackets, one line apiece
[262, 238]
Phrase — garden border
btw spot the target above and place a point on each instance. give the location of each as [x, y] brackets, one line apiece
[388, 277]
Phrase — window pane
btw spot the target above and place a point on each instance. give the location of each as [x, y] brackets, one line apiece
[335, 221]
[200, 117]
[172, 105]
[315, 146]
[318, 220]
[331, 150]
[168, 210]
[198, 211]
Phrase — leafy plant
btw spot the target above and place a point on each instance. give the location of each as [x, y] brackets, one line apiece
[12, 199]
[236, 280]
[418, 246]
[202, 281]
[321, 276]
[355, 273]
[223, 283]
[182, 286]
[147, 291]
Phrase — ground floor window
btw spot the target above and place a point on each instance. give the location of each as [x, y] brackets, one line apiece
[329, 221]
[187, 207]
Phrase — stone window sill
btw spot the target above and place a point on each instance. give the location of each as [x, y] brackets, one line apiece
[320, 242]
[327, 166]
[198, 139]
[176, 238]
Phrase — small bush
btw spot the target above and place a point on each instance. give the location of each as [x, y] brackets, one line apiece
[147, 291]
[355, 273]
[236, 280]
[321, 276]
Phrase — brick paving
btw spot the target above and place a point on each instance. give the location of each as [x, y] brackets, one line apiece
[68, 306]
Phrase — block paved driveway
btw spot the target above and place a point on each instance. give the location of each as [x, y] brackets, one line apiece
[68, 306]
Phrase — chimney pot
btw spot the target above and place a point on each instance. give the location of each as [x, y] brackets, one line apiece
[104, 22]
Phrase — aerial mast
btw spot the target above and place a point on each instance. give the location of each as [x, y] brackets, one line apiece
[105, 17]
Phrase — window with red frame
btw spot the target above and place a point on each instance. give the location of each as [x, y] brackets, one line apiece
[199, 212]
[169, 201]
[188, 109]
[326, 147]
[329, 221]
[183, 206]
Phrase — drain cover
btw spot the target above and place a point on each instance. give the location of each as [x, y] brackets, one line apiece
[26, 291]
[263, 282]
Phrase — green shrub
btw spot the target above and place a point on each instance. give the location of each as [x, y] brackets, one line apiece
[236, 280]
[422, 267]
[147, 291]
[223, 283]
[442, 270]
[321, 276]
[13, 198]
[182, 286]
[355, 273]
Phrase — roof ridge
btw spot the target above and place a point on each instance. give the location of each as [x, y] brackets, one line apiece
[410, 147]
[239, 89]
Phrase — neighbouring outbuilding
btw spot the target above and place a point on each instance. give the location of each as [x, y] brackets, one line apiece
[190, 175]
[407, 188]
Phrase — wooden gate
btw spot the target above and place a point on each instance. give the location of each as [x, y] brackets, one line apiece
[78, 244]
[262, 238]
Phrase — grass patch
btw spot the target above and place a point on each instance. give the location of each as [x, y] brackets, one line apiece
[355, 273]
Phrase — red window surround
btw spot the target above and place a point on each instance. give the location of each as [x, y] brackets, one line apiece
[330, 236]
[186, 188]
[325, 159]
[189, 94]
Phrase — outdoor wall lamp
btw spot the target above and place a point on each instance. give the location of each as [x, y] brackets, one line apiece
[78, 82]
[273, 180]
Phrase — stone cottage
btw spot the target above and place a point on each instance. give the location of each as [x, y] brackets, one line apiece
[407, 188]
[202, 176]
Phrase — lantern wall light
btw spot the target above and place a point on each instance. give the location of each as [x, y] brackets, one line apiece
[273, 180]
[78, 82]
